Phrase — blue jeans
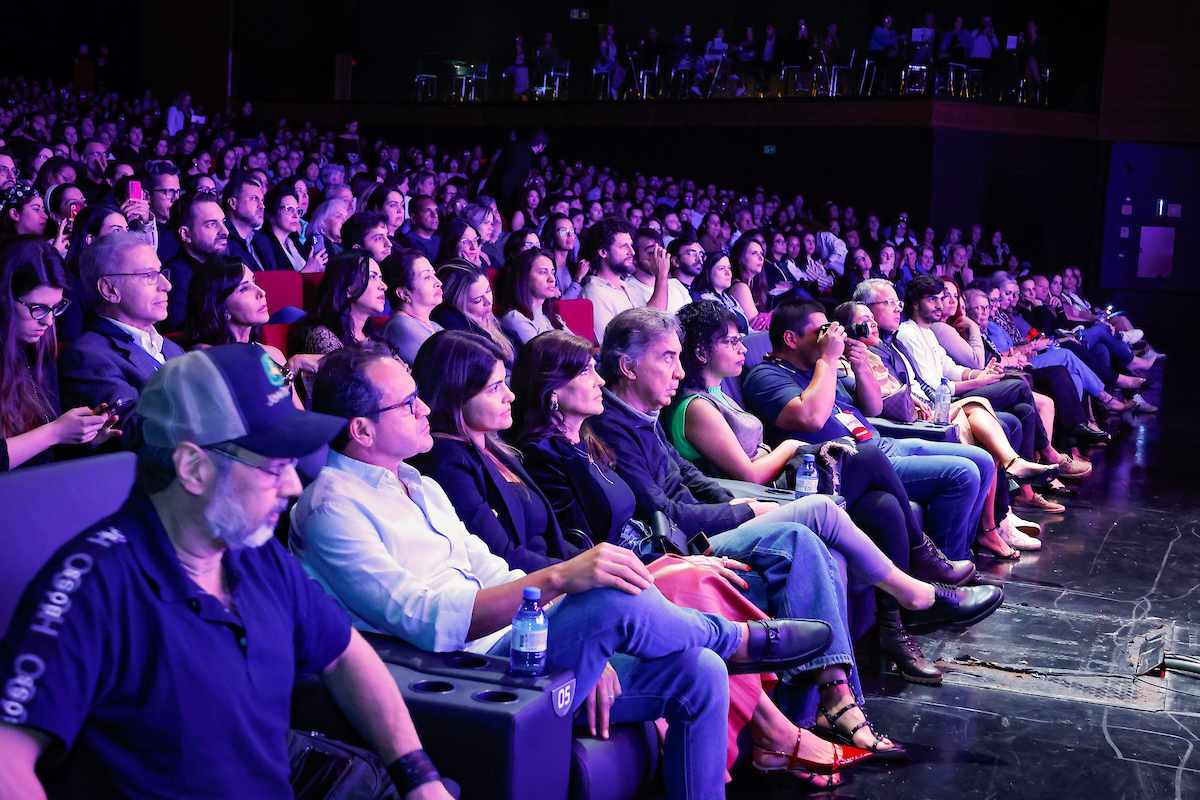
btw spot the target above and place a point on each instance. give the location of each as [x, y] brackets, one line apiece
[669, 660]
[1082, 376]
[951, 481]
[1105, 345]
[794, 576]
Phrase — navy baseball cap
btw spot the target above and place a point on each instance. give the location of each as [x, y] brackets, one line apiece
[233, 393]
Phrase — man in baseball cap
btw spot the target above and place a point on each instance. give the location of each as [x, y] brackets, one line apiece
[159, 648]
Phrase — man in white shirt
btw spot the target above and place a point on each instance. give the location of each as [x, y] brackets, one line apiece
[608, 247]
[122, 280]
[386, 543]
[650, 262]
[687, 261]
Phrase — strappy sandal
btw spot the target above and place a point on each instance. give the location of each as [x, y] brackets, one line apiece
[1039, 478]
[843, 756]
[894, 753]
[1013, 555]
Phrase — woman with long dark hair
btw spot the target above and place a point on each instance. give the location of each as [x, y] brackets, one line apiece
[460, 241]
[557, 390]
[226, 306]
[713, 283]
[530, 291]
[351, 292]
[32, 283]
[748, 258]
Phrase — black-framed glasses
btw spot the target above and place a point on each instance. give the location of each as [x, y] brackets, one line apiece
[410, 401]
[173, 192]
[732, 341]
[150, 276]
[278, 473]
[41, 310]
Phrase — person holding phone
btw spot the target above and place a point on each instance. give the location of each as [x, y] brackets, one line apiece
[32, 283]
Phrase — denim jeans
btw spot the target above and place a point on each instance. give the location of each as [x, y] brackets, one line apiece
[1082, 376]
[1105, 345]
[951, 481]
[794, 576]
[669, 661]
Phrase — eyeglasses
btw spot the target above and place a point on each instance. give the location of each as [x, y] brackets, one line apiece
[278, 473]
[172, 192]
[895, 304]
[290, 210]
[41, 310]
[410, 401]
[732, 341]
[150, 276]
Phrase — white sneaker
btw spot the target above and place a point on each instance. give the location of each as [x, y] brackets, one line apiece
[1023, 525]
[1015, 539]
[1132, 336]
[1141, 405]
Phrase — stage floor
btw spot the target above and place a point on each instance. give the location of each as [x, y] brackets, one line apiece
[1042, 700]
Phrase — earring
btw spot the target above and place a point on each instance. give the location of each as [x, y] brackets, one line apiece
[228, 317]
[554, 405]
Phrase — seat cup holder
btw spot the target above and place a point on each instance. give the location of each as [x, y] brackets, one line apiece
[432, 687]
[495, 696]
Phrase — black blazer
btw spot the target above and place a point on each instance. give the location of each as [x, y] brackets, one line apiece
[491, 509]
[577, 498]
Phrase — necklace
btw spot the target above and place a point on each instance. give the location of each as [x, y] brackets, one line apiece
[37, 393]
[583, 451]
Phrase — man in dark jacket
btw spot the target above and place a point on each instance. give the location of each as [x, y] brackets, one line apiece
[512, 171]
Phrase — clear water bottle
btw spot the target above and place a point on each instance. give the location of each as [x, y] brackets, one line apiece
[941, 406]
[806, 479]
[529, 633]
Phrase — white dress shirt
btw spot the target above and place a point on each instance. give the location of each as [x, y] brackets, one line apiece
[401, 562]
[152, 342]
[932, 362]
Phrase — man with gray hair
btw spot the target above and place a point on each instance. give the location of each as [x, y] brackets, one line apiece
[784, 545]
[122, 281]
[173, 660]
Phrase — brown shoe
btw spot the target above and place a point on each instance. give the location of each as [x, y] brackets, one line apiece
[1070, 468]
[1039, 503]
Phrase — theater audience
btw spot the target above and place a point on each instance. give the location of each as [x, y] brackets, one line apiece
[370, 526]
[125, 285]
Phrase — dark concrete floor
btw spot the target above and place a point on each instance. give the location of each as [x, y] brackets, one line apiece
[1043, 699]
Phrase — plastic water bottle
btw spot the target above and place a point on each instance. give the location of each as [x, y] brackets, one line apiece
[806, 479]
[529, 633]
[941, 407]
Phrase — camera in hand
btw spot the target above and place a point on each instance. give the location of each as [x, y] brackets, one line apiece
[859, 331]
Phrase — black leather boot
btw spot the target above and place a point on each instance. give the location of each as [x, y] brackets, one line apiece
[927, 563]
[902, 649]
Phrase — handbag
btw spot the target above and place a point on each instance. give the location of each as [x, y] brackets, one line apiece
[828, 459]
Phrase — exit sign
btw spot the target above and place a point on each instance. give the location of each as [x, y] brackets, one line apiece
[768, 149]
[580, 13]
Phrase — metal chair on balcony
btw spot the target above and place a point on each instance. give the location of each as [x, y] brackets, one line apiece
[558, 79]
[647, 76]
[426, 80]
[839, 74]
[476, 80]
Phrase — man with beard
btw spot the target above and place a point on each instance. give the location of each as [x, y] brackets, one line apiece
[687, 260]
[171, 658]
[608, 247]
[244, 202]
[200, 226]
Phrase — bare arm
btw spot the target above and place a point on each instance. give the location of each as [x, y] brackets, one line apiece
[811, 410]
[868, 394]
[21, 748]
[367, 693]
[741, 293]
[711, 435]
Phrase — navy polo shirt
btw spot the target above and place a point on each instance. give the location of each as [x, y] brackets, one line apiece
[154, 687]
[771, 385]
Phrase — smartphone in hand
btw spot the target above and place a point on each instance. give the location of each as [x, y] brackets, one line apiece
[135, 190]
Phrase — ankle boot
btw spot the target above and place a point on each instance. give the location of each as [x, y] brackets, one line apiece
[927, 563]
[899, 647]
